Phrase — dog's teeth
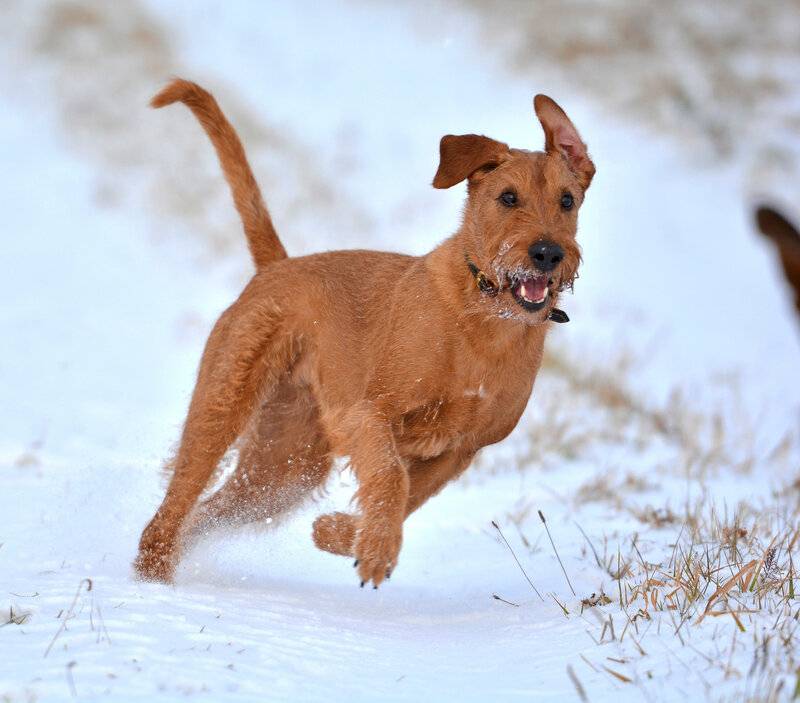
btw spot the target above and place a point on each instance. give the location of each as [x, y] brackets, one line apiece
[523, 294]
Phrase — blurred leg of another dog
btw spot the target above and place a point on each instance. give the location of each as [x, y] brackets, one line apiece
[786, 239]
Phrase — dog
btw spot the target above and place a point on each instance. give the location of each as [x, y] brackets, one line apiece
[405, 365]
[786, 239]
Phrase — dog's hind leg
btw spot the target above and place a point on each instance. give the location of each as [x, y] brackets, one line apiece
[284, 457]
[245, 355]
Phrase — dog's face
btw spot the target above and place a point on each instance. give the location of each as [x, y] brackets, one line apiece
[521, 212]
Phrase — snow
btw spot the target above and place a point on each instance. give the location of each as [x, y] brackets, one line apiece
[103, 324]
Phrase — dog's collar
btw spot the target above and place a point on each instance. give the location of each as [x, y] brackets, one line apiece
[489, 287]
[484, 283]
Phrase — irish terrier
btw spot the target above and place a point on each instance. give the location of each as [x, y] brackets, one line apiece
[405, 365]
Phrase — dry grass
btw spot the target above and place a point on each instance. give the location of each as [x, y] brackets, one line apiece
[605, 488]
[581, 409]
[748, 581]
[738, 585]
[15, 617]
[700, 72]
[717, 78]
[698, 574]
[99, 63]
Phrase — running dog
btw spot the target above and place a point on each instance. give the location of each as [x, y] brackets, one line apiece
[405, 365]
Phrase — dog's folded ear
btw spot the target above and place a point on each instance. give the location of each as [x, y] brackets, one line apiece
[562, 137]
[467, 156]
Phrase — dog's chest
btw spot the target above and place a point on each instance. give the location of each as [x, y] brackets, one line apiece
[479, 406]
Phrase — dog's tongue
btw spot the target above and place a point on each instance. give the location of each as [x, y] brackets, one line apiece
[533, 288]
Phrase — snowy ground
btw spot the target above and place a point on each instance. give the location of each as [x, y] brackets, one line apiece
[664, 425]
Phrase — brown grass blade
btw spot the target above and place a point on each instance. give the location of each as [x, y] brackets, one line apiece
[727, 586]
[617, 675]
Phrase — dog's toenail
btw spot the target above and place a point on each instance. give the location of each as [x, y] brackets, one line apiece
[362, 584]
[355, 563]
[374, 588]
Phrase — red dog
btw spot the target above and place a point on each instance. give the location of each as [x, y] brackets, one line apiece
[406, 365]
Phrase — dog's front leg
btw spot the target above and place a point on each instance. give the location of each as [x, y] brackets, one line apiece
[382, 494]
[336, 532]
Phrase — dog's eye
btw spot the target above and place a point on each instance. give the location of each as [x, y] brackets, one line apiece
[508, 198]
[567, 201]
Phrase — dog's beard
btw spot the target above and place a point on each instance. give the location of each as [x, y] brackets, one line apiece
[527, 295]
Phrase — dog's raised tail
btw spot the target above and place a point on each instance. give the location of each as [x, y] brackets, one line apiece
[262, 239]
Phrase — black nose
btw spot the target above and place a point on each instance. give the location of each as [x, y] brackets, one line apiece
[546, 255]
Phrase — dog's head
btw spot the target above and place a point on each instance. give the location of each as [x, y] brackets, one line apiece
[521, 215]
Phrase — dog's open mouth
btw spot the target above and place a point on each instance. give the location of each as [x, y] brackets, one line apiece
[530, 291]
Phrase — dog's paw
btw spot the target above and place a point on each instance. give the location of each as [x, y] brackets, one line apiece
[335, 533]
[156, 560]
[152, 566]
[377, 547]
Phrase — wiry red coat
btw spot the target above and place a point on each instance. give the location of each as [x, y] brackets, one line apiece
[401, 363]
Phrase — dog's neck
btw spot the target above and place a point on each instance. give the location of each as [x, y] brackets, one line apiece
[461, 292]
